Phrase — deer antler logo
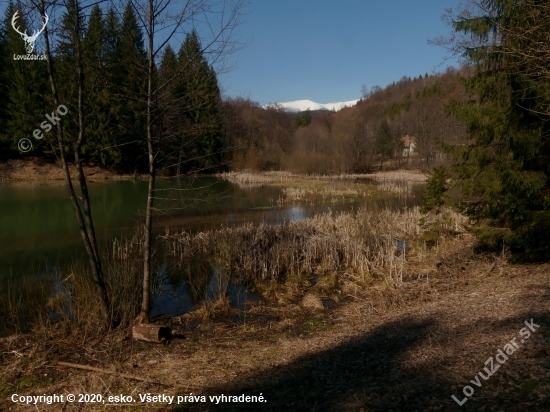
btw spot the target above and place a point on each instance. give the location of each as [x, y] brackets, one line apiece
[29, 40]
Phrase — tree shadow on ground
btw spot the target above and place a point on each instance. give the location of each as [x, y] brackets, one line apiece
[326, 379]
[369, 374]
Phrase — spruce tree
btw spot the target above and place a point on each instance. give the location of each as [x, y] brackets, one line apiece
[384, 141]
[25, 85]
[67, 78]
[101, 124]
[4, 138]
[302, 119]
[199, 96]
[173, 141]
[129, 63]
[505, 168]
[113, 93]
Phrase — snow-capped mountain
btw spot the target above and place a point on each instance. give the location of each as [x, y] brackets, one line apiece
[302, 105]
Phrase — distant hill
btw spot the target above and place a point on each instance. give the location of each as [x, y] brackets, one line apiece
[365, 136]
[303, 105]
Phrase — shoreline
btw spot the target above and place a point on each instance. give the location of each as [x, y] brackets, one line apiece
[425, 335]
[37, 171]
[41, 172]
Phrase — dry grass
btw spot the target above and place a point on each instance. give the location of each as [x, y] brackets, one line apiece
[400, 175]
[358, 354]
[409, 332]
[331, 188]
[407, 346]
[281, 176]
[67, 299]
[248, 177]
[329, 254]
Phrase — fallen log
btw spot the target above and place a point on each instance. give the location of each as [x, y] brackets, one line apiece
[151, 333]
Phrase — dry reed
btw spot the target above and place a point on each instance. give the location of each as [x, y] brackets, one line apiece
[251, 177]
[66, 294]
[365, 242]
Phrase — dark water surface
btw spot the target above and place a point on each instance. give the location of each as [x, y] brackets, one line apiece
[38, 228]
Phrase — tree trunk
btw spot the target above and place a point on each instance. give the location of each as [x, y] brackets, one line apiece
[146, 299]
[91, 251]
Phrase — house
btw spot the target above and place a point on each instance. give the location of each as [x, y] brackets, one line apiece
[409, 145]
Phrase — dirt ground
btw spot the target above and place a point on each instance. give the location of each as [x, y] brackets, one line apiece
[34, 170]
[406, 349]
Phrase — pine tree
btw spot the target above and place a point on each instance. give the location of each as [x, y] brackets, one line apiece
[128, 65]
[4, 138]
[173, 142]
[26, 88]
[506, 166]
[384, 142]
[199, 96]
[100, 109]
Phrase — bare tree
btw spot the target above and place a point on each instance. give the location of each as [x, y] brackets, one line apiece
[83, 214]
[167, 19]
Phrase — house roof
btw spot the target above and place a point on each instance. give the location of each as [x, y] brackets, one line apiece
[408, 140]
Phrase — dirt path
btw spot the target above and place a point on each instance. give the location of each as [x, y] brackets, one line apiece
[412, 359]
[406, 351]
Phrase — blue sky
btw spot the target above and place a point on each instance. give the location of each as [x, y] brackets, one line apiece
[324, 50]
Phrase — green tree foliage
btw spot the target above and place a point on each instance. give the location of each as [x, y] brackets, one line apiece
[435, 197]
[173, 144]
[199, 98]
[66, 68]
[505, 167]
[4, 140]
[129, 62]
[101, 125]
[25, 83]
[384, 141]
[302, 119]
[114, 62]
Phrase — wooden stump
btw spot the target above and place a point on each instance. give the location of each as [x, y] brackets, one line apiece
[151, 333]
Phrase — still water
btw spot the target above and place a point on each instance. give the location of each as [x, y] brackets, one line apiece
[38, 227]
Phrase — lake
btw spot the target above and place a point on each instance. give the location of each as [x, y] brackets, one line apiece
[38, 227]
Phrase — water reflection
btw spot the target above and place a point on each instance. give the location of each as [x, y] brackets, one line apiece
[38, 229]
[171, 295]
[169, 298]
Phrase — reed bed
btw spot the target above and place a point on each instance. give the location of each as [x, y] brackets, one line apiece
[23, 301]
[249, 177]
[395, 175]
[292, 194]
[65, 294]
[366, 242]
[362, 245]
[394, 186]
